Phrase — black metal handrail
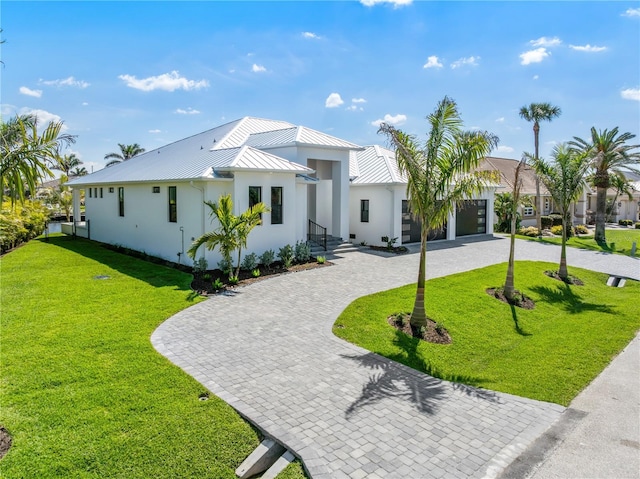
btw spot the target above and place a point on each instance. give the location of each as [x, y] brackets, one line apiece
[317, 234]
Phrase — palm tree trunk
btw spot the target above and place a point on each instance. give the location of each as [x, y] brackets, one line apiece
[536, 144]
[563, 272]
[419, 315]
[509, 283]
[601, 207]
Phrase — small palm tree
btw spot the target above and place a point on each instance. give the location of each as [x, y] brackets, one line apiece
[564, 178]
[79, 171]
[609, 153]
[126, 152]
[66, 163]
[246, 222]
[537, 112]
[509, 283]
[438, 176]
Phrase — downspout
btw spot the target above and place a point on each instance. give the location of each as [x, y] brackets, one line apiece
[393, 213]
[201, 208]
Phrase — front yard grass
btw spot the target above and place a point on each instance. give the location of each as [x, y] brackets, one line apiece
[549, 353]
[83, 392]
[619, 241]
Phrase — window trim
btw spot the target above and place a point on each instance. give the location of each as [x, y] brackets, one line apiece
[173, 208]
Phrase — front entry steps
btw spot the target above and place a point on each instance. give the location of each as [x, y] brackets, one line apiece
[335, 245]
[269, 456]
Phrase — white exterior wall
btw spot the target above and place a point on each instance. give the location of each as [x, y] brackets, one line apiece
[385, 213]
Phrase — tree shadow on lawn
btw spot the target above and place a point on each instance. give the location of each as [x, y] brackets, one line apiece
[516, 324]
[154, 274]
[411, 378]
[564, 296]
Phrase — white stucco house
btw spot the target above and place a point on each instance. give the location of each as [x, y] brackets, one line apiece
[154, 202]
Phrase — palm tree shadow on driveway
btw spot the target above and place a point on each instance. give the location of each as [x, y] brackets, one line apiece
[392, 380]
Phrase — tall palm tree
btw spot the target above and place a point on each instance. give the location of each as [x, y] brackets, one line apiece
[609, 153]
[537, 112]
[509, 283]
[438, 176]
[79, 171]
[126, 152]
[66, 163]
[564, 178]
[25, 152]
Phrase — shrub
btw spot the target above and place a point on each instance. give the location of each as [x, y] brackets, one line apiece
[21, 223]
[556, 219]
[625, 222]
[556, 230]
[546, 222]
[302, 251]
[224, 266]
[267, 258]
[233, 280]
[200, 266]
[255, 273]
[582, 229]
[206, 277]
[530, 231]
[217, 284]
[249, 262]
[322, 259]
[286, 255]
[638, 225]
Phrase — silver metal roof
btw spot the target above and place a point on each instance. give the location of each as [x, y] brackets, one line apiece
[298, 135]
[376, 165]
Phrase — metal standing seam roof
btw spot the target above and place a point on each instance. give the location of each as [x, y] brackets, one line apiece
[298, 135]
[377, 165]
[247, 126]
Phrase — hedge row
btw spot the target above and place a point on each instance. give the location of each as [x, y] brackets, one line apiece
[20, 223]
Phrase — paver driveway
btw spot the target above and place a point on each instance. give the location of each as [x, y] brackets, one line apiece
[268, 351]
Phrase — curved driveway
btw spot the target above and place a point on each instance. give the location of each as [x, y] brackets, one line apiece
[268, 351]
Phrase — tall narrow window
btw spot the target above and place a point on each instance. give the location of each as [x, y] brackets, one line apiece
[255, 196]
[101, 192]
[90, 193]
[121, 200]
[364, 211]
[276, 205]
[173, 204]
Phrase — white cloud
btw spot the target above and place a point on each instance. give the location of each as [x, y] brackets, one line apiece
[333, 101]
[631, 94]
[84, 103]
[29, 92]
[167, 82]
[587, 48]
[504, 149]
[258, 68]
[432, 62]
[500, 120]
[44, 117]
[632, 12]
[473, 61]
[546, 42]
[188, 111]
[310, 35]
[69, 81]
[535, 77]
[534, 56]
[358, 100]
[155, 131]
[395, 3]
[391, 120]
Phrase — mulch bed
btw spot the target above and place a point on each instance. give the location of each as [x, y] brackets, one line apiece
[395, 249]
[432, 333]
[519, 300]
[205, 286]
[5, 442]
[568, 280]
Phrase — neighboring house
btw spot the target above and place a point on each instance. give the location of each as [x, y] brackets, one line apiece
[623, 207]
[379, 206]
[154, 202]
[507, 168]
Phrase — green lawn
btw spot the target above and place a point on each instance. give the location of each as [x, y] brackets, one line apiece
[618, 241]
[83, 392]
[549, 353]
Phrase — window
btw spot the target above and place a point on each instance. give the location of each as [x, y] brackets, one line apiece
[111, 189]
[90, 193]
[95, 192]
[255, 196]
[528, 210]
[101, 192]
[173, 204]
[364, 211]
[276, 205]
[156, 189]
[121, 200]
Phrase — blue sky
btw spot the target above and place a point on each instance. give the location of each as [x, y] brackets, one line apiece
[155, 72]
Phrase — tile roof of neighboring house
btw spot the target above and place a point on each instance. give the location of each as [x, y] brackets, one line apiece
[507, 170]
[376, 165]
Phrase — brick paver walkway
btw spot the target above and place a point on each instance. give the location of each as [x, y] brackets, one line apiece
[269, 352]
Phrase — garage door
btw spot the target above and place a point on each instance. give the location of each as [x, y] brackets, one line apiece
[471, 218]
[411, 228]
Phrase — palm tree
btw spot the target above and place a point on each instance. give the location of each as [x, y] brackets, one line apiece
[564, 179]
[24, 153]
[438, 176]
[126, 152]
[537, 112]
[66, 163]
[622, 186]
[79, 171]
[246, 222]
[609, 153]
[509, 283]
